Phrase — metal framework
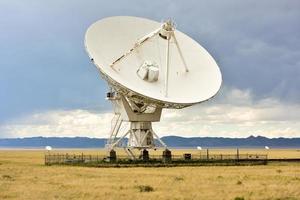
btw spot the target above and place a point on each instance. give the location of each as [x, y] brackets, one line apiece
[141, 134]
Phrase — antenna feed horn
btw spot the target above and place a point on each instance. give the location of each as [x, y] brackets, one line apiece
[167, 29]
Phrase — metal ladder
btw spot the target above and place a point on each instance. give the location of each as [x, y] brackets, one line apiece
[115, 127]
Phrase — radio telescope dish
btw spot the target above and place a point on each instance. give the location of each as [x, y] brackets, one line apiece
[119, 46]
[149, 66]
[48, 148]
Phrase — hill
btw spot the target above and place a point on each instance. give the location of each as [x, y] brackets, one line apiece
[171, 141]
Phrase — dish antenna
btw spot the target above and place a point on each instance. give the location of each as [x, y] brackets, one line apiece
[148, 66]
[48, 148]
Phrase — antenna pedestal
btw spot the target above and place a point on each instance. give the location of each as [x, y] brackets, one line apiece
[140, 115]
[141, 135]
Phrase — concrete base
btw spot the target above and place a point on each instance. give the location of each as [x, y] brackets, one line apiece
[167, 156]
[144, 155]
[112, 157]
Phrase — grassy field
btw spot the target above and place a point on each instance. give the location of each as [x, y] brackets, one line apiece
[24, 176]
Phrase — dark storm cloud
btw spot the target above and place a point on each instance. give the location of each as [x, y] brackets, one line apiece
[43, 64]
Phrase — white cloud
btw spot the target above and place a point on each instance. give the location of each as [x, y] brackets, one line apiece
[236, 114]
[59, 123]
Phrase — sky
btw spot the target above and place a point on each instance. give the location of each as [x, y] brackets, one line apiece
[48, 86]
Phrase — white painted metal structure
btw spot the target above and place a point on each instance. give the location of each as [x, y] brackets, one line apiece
[48, 148]
[149, 66]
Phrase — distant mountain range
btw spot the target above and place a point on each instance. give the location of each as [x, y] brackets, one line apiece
[171, 141]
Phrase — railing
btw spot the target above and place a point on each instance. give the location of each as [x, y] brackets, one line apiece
[81, 158]
[71, 158]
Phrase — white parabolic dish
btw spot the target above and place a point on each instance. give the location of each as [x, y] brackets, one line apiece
[109, 38]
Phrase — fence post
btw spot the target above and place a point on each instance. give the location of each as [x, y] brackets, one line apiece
[207, 154]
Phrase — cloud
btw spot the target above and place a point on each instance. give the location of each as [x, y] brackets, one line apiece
[48, 86]
[237, 115]
[59, 123]
[44, 66]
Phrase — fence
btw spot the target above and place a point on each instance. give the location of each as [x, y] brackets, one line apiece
[72, 158]
[81, 158]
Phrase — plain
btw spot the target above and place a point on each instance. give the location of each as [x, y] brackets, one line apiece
[23, 175]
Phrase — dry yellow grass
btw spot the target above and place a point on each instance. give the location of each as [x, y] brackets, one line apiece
[24, 176]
